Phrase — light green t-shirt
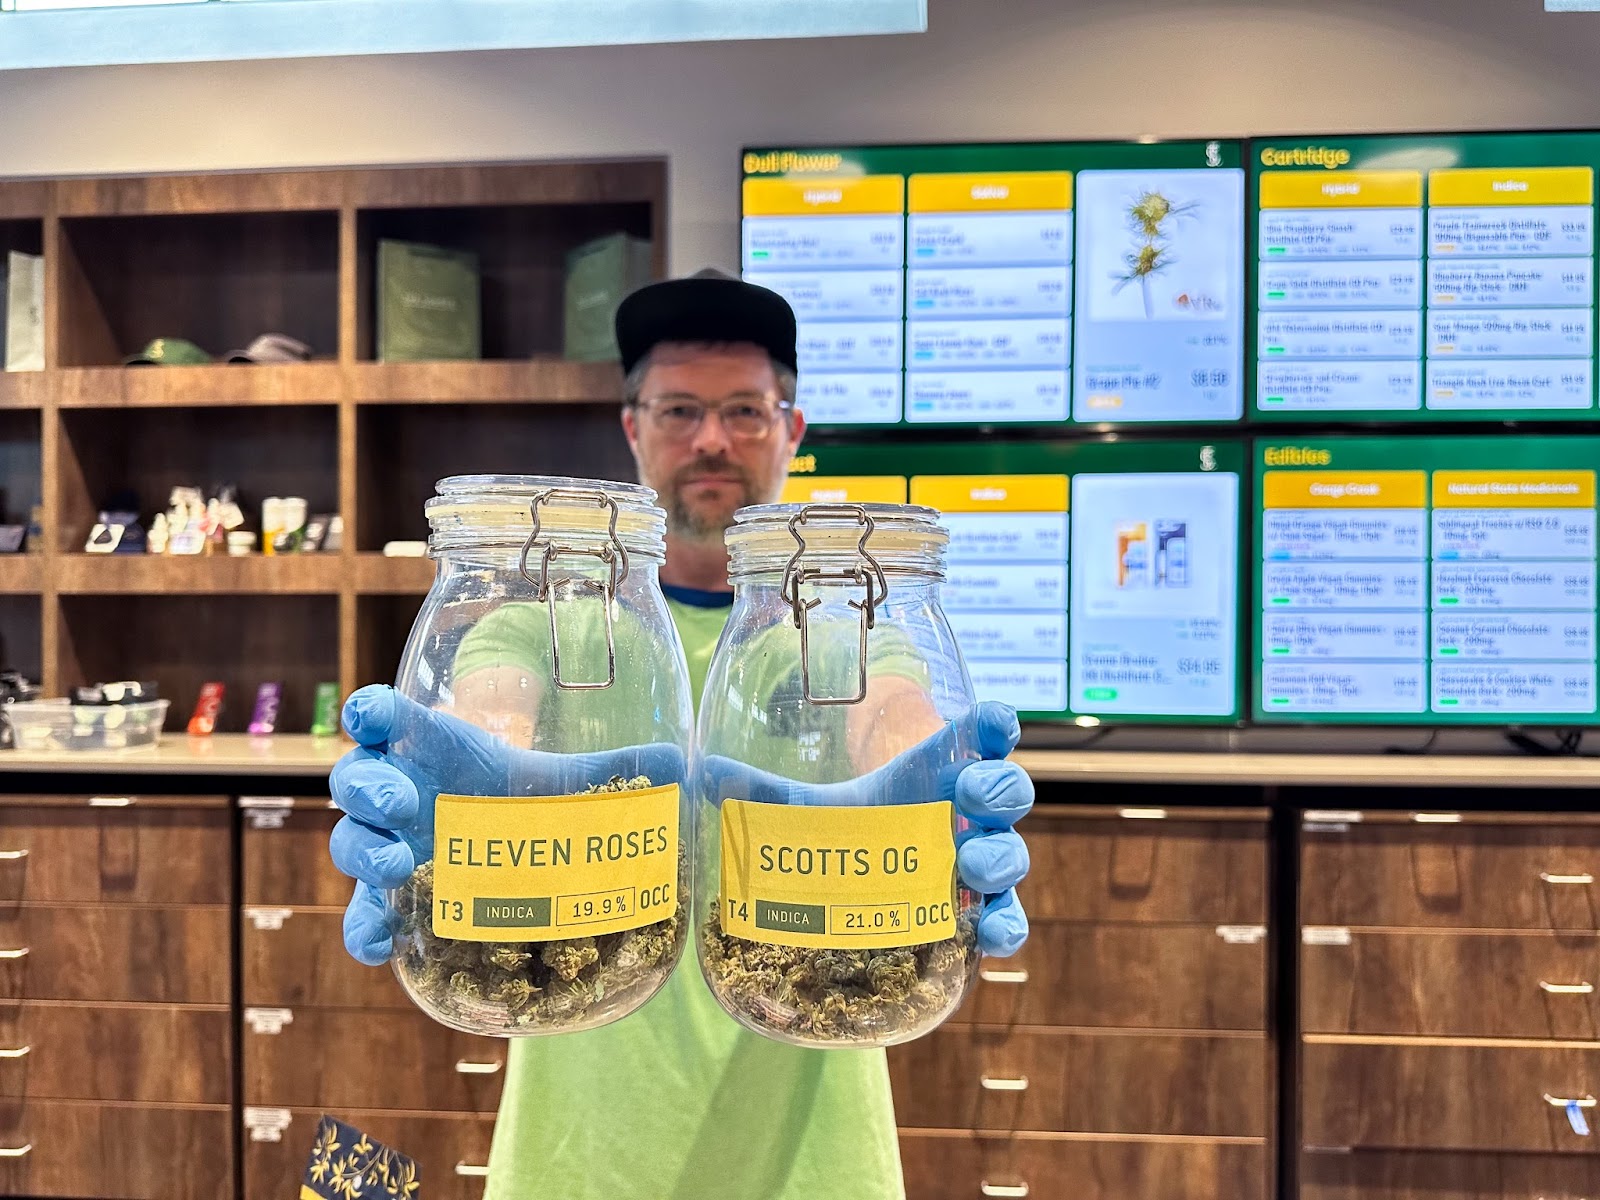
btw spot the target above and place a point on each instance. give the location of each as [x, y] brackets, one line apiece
[679, 1102]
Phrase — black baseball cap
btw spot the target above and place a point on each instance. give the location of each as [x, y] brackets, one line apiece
[708, 306]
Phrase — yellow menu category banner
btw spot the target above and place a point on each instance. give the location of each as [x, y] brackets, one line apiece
[991, 493]
[1341, 189]
[838, 878]
[1345, 489]
[546, 868]
[855, 195]
[844, 489]
[1481, 187]
[1513, 489]
[1013, 191]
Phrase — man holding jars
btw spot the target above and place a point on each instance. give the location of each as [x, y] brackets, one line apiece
[678, 1101]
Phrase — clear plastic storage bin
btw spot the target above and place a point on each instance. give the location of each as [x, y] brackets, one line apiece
[46, 725]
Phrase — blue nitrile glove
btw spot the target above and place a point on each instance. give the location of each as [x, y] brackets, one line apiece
[389, 800]
[992, 794]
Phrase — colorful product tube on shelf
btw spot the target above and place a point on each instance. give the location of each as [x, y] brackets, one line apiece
[206, 709]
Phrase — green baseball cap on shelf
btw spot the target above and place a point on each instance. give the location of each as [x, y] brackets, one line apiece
[168, 352]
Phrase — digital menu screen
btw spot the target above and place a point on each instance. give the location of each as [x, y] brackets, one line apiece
[1427, 580]
[1098, 283]
[1425, 278]
[1084, 579]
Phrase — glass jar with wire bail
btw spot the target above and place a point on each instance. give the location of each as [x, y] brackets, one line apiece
[546, 720]
[829, 911]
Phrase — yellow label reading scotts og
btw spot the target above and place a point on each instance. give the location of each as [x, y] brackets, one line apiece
[545, 868]
[868, 878]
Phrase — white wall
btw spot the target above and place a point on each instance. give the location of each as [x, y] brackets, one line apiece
[987, 69]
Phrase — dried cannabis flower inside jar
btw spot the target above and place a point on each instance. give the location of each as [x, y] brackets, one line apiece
[531, 986]
[849, 996]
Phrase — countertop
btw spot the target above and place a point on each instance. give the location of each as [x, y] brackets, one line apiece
[283, 754]
[303, 755]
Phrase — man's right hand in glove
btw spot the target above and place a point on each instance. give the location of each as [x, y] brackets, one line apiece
[388, 798]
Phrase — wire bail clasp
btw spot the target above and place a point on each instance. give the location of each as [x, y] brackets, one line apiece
[865, 573]
[612, 554]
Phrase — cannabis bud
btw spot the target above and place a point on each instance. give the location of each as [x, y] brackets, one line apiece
[843, 996]
[526, 987]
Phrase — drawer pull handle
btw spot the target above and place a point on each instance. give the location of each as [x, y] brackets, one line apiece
[16, 1151]
[19, 952]
[991, 1084]
[990, 975]
[1570, 1101]
[477, 1068]
[12, 855]
[17, 1052]
[471, 1170]
[110, 801]
[1003, 1189]
[1583, 880]
[1567, 989]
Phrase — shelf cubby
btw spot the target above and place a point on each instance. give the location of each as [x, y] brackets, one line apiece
[21, 465]
[18, 389]
[407, 449]
[216, 279]
[287, 451]
[521, 251]
[184, 641]
[20, 645]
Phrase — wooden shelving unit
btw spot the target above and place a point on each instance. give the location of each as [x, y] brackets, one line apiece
[219, 259]
[22, 389]
[380, 576]
[21, 574]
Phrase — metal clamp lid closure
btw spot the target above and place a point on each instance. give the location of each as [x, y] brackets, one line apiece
[865, 573]
[612, 554]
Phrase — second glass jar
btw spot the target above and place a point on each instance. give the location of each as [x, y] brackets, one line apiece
[828, 907]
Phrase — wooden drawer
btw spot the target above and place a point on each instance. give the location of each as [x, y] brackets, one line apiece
[1402, 1175]
[1135, 1083]
[286, 861]
[116, 952]
[296, 957]
[1447, 1096]
[147, 855]
[964, 1165]
[127, 1152]
[1472, 875]
[1500, 985]
[440, 1144]
[147, 1053]
[334, 1060]
[1180, 870]
[1133, 976]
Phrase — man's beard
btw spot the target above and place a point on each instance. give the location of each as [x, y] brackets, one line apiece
[701, 525]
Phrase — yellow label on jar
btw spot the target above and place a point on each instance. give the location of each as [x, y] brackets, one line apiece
[839, 878]
[547, 868]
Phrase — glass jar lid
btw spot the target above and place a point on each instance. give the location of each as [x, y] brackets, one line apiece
[903, 539]
[514, 511]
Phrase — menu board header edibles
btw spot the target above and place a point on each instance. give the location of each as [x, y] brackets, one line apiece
[1426, 580]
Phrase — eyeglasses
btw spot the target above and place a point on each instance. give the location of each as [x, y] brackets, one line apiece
[744, 419]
